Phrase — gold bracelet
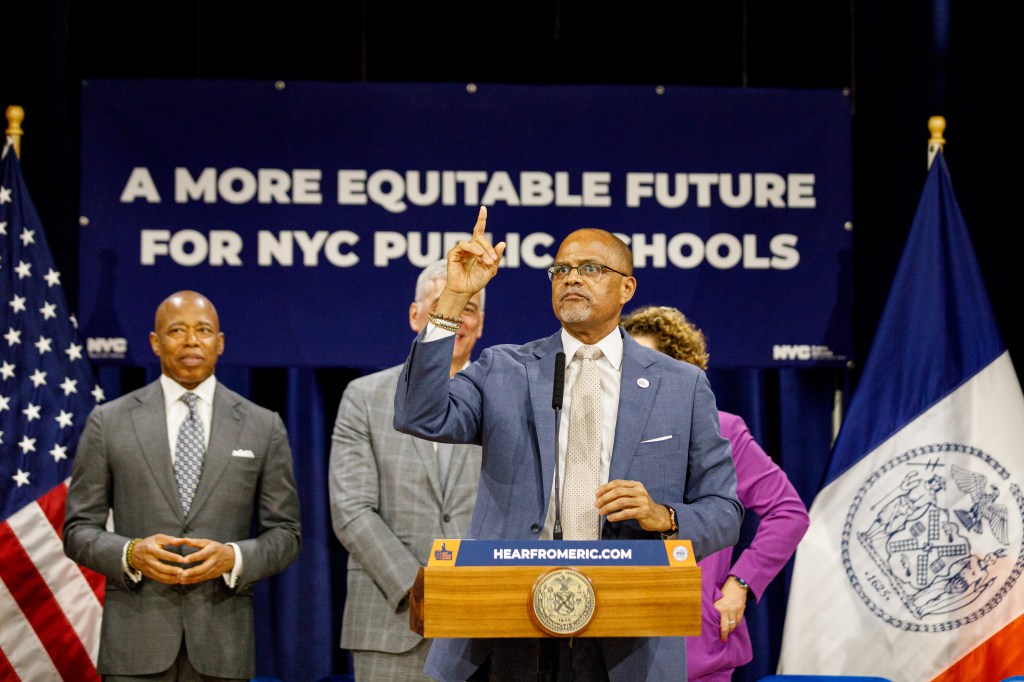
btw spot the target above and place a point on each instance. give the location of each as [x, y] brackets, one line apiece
[441, 324]
[444, 323]
[432, 313]
[128, 554]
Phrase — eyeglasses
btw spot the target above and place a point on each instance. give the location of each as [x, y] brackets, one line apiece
[587, 270]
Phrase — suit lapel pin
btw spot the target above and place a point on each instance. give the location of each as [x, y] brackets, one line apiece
[642, 382]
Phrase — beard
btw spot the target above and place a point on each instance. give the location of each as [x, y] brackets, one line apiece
[575, 312]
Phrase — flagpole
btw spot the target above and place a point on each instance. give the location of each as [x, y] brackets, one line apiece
[937, 126]
[15, 115]
[837, 405]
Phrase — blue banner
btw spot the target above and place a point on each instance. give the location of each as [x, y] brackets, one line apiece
[306, 210]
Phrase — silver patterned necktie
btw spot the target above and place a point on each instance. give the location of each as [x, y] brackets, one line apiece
[444, 462]
[188, 453]
[580, 519]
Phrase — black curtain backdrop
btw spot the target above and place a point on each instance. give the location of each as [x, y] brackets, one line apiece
[903, 62]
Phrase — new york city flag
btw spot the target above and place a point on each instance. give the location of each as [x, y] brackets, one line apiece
[911, 568]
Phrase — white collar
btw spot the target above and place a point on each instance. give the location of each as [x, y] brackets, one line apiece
[611, 347]
[173, 390]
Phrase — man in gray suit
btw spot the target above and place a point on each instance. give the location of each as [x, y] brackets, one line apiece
[660, 466]
[199, 481]
[391, 496]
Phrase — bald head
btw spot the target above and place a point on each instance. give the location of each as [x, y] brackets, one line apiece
[621, 257]
[186, 337]
[186, 297]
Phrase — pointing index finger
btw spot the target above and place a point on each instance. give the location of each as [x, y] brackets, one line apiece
[481, 223]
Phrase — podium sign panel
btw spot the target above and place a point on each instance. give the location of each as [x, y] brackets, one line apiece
[482, 588]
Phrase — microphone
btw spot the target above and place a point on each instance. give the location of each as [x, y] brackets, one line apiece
[547, 647]
[558, 388]
[559, 383]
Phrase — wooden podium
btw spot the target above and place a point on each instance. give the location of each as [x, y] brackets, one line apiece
[479, 588]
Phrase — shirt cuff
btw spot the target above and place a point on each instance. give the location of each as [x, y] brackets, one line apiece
[133, 575]
[433, 333]
[232, 578]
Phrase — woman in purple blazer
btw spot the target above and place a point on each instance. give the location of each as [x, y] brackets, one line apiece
[724, 643]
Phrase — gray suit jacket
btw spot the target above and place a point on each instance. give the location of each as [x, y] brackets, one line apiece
[503, 401]
[387, 508]
[124, 463]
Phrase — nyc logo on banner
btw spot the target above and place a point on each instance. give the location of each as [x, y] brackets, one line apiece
[305, 211]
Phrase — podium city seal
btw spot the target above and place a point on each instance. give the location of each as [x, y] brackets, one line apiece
[562, 602]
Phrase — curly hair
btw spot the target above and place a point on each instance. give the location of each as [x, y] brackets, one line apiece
[674, 335]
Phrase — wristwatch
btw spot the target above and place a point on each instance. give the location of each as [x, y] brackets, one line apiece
[666, 534]
[741, 581]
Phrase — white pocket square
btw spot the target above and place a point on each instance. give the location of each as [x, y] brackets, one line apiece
[655, 440]
[242, 453]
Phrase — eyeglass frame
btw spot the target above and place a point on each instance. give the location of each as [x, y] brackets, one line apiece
[601, 267]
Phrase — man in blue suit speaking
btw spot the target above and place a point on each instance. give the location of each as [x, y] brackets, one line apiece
[659, 466]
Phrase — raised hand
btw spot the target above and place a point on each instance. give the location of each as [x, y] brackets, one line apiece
[471, 265]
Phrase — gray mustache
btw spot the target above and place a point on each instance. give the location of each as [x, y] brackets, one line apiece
[576, 292]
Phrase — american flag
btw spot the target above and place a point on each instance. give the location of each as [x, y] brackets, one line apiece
[49, 607]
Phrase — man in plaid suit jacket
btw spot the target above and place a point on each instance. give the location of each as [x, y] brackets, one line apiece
[388, 503]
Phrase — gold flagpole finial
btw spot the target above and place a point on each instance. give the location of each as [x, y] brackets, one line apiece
[936, 143]
[15, 115]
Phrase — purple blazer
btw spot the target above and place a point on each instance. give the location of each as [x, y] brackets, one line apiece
[763, 487]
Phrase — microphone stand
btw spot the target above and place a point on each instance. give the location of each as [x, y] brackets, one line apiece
[547, 647]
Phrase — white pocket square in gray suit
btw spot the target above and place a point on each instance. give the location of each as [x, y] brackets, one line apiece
[242, 453]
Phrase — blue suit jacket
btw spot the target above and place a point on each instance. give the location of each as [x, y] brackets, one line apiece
[503, 402]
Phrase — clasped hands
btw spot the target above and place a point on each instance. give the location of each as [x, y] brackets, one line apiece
[211, 560]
